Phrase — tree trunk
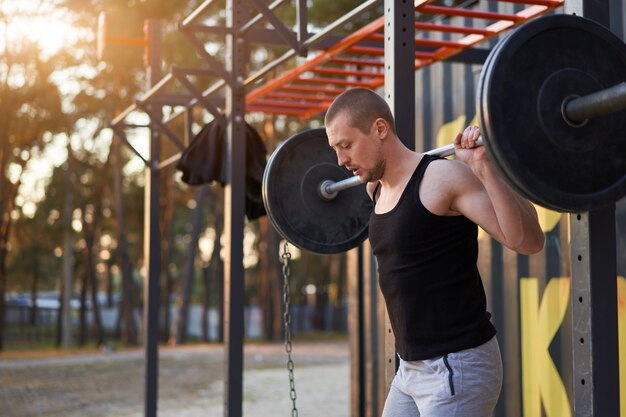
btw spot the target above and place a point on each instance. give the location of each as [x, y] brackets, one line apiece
[329, 301]
[68, 256]
[82, 333]
[216, 258]
[91, 216]
[271, 281]
[265, 299]
[59, 331]
[129, 328]
[274, 323]
[34, 289]
[109, 285]
[92, 280]
[167, 249]
[2, 291]
[187, 277]
[8, 192]
[206, 292]
[339, 322]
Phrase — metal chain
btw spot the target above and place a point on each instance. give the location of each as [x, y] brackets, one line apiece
[286, 256]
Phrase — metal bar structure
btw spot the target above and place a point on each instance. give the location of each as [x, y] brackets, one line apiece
[385, 51]
[234, 197]
[594, 313]
[594, 297]
[152, 241]
[348, 50]
[354, 47]
[399, 90]
[593, 255]
[596, 104]
[329, 189]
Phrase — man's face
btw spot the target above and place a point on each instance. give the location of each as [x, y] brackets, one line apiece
[356, 151]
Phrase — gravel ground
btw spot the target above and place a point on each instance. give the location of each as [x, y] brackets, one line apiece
[190, 382]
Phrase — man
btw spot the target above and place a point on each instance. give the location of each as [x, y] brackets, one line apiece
[423, 230]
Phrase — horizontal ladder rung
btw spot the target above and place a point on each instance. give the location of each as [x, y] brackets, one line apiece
[338, 71]
[548, 3]
[275, 110]
[450, 11]
[359, 62]
[280, 103]
[304, 97]
[334, 81]
[451, 29]
[330, 91]
[367, 50]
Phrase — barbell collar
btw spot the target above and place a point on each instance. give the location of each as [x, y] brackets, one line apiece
[580, 109]
[328, 189]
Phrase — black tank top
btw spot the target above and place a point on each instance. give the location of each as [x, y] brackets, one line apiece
[428, 276]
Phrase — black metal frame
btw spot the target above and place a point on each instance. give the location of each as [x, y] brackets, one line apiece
[593, 255]
[239, 32]
[594, 294]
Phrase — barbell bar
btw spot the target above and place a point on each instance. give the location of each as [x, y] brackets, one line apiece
[328, 189]
[579, 110]
[550, 104]
[575, 110]
[567, 157]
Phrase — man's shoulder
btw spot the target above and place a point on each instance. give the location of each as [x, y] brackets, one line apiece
[443, 182]
[447, 169]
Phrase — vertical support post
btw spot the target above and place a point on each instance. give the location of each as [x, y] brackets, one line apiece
[152, 239]
[234, 200]
[400, 66]
[400, 95]
[594, 311]
[302, 19]
[594, 288]
[188, 135]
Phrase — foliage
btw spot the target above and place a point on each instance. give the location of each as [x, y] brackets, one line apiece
[72, 95]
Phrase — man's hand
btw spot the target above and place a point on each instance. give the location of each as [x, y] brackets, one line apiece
[465, 147]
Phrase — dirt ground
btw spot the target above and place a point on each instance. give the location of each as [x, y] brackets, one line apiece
[191, 384]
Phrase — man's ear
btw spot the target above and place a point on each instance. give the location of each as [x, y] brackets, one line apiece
[382, 129]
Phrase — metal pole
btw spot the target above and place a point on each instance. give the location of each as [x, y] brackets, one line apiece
[594, 289]
[328, 189]
[400, 94]
[594, 313]
[152, 240]
[596, 104]
[234, 199]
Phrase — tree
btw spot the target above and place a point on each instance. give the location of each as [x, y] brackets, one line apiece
[90, 191]
[102, 90]
[30, 108]
[179, 331]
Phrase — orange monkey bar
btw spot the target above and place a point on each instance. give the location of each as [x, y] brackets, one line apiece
[358, 59]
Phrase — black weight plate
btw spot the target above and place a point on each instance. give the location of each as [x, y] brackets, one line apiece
[290, 194]
[520, 91]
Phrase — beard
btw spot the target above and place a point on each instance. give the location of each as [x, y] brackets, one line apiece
[375, 173]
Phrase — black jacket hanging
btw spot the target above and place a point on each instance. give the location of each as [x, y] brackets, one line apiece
[204, 162]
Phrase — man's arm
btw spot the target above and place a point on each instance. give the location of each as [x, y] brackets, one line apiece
[484, 197]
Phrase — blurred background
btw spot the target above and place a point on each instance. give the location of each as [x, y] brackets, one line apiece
[72, 196]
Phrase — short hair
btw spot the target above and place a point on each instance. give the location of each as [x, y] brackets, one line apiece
[362, 107]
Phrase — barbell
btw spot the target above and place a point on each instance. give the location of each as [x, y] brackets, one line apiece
[550, 104]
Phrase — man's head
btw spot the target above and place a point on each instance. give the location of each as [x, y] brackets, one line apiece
[358, 123]
[362, 107]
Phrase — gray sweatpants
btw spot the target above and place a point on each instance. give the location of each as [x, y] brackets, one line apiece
[459, 384]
